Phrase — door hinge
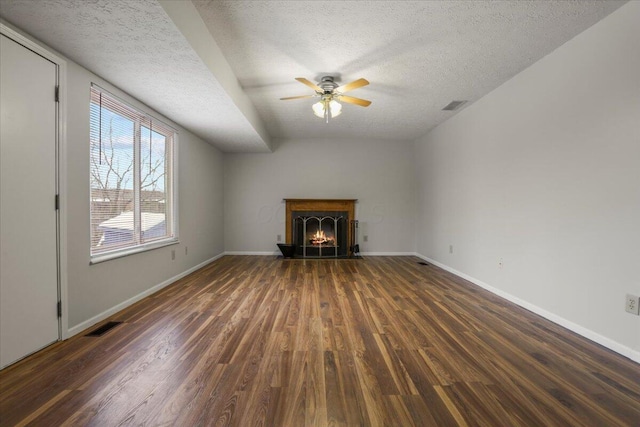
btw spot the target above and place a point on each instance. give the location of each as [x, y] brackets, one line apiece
[57, 95]
[57, 202]
[59, 308]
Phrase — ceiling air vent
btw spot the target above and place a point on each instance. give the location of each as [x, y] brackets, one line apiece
[454, 105]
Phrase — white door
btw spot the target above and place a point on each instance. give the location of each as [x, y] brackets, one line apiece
[28, 222]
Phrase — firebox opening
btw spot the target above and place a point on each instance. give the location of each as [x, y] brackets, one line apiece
[320, 234]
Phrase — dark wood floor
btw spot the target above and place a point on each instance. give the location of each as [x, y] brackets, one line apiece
[377, 341]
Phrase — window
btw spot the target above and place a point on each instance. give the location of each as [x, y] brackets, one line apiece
[132, 179]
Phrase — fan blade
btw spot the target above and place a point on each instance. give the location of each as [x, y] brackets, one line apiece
[296, 97]
[352, 100]
[351, 86]
[310, 84]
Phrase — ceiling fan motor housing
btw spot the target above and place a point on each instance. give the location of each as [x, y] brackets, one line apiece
[327, 84]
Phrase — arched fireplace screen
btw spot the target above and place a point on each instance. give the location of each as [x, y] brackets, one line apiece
[320, 235]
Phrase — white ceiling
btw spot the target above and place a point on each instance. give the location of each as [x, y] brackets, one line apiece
[222, 78]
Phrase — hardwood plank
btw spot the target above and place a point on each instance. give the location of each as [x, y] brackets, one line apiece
[43, 408]
[398, 372]
[336, 405]
[375, 341]
[454, 410]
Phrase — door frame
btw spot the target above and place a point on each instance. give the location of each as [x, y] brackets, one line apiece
[60, 163]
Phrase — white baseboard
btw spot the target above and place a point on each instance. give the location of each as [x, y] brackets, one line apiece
[113, 310]
[276, 253]
[580, 330]
[387, 253]
[361, 253]
[251, 253]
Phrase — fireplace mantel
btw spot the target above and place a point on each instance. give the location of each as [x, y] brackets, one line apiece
[311, 205]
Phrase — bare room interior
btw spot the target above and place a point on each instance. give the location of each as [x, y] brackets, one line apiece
[316, 213]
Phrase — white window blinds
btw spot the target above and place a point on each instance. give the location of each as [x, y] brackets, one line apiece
[131, 173]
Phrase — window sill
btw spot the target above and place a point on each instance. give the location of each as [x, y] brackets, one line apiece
[107, 256]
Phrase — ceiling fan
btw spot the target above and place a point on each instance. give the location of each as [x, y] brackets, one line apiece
[330, 93]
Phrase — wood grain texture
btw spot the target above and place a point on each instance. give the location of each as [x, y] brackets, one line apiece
[380, 341]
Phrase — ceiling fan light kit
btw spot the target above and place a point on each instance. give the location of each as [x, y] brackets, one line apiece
[330, 93]
[327, 108]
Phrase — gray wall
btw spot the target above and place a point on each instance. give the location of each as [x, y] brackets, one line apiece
[543, 176]
[377, 173]
[94, 289]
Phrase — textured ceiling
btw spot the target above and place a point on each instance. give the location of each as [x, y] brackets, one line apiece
[134, 45]
[418, 56]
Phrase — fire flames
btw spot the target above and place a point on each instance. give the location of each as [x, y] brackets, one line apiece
[320, 238]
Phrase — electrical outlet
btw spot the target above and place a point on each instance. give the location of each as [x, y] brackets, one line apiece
[186, 250]
[173, 254]
[450, 249]
[279, 238]
[365, 238]
[632, 305]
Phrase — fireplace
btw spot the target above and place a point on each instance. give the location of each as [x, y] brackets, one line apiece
[320, 228]
[320, 234]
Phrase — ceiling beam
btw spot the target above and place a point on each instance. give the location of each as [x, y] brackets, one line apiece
[187, 19]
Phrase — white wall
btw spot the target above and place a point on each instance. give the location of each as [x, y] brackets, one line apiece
[93, 290]
[377, 173]
[544, 174]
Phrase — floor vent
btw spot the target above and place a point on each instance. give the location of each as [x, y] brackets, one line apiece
[98, 332]
[422, 263]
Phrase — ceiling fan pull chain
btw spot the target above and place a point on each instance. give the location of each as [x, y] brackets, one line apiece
[327, 110]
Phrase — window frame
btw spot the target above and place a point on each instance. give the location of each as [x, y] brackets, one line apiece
[141, 118]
